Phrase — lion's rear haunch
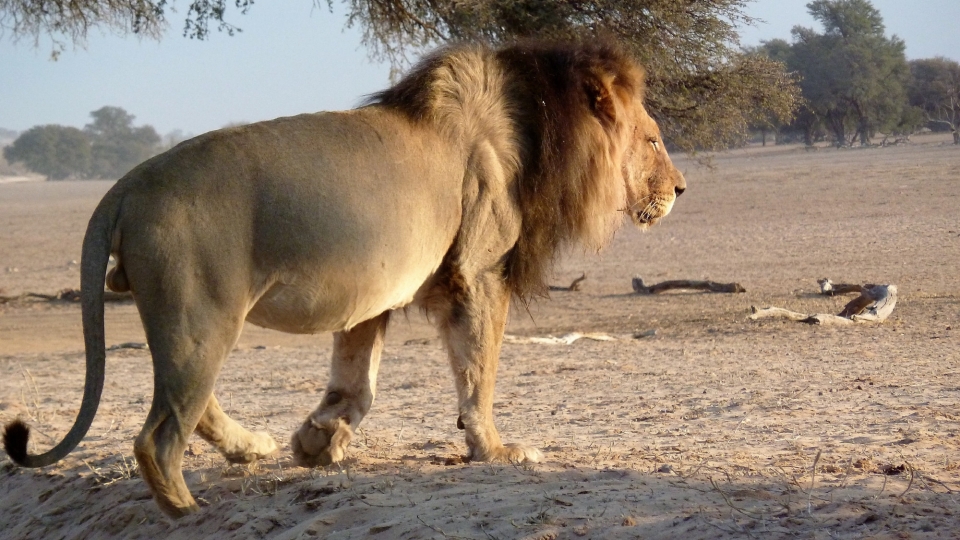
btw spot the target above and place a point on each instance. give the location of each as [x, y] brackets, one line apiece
[15, 437]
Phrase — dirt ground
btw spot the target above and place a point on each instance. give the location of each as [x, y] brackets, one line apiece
[713, 427]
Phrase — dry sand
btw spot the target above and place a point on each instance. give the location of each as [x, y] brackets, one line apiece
[716, 427]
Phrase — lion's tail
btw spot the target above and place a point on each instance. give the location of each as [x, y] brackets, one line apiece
[93, 265]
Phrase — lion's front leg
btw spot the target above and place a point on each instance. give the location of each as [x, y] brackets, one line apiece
[325, 434]
[473, 331]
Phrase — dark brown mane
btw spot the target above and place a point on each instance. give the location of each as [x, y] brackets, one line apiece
[558, 184]
[564, 180]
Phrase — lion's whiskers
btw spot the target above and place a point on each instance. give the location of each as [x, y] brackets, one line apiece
[647, 199]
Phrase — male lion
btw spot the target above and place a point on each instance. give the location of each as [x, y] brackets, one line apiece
[451, 190]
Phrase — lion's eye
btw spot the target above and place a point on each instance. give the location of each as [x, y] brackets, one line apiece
[656, 144]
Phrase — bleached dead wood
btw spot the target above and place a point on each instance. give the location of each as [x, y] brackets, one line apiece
[565, 339]
[780, 313]
[875, 304]
[640, 287]
[574, 285]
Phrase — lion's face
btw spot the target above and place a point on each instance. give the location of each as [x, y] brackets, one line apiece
[653, 183]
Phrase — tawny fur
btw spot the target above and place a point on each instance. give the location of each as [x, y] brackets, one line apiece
[452, 190]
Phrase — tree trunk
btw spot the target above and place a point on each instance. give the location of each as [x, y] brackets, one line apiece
[836, 125]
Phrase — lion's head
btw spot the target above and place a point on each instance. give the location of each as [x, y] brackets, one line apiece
[591, 152]
[653, 183]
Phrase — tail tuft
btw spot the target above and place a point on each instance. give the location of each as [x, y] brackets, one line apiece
[15, 437]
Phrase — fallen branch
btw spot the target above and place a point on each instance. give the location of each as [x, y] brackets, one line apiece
[875, 304]
[640, 287]
[574, 285]
[780, 313]
[65, 295]
[128, 345]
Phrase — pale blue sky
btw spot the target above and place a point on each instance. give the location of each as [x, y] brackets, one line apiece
[292, 58]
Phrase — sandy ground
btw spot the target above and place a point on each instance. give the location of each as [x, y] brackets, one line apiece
[715, 427]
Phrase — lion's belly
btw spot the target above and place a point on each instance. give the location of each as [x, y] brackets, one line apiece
[300, 310]
[331, 298]
[331, 304]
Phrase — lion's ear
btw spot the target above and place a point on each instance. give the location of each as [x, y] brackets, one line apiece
[602, 97]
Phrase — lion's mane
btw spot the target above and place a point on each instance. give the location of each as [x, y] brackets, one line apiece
[539, 101]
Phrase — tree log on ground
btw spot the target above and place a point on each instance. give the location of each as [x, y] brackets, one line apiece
[829, 288]
[875, 304]
[65, 295]
[640, 287]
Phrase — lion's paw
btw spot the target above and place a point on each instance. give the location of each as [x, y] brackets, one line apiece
[258, 446]
[318, 444]
[514, 453]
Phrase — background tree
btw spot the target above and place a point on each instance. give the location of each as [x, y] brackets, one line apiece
[853, 78]
[703, 90]
[69, 21]
[935, 90]
[118, 146]
[58, 152]
[780, 51]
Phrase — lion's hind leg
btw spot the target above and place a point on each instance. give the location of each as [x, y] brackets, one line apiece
[325, 434]
[230, 438]
[189, 342]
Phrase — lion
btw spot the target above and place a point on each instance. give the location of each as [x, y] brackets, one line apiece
[452, 191]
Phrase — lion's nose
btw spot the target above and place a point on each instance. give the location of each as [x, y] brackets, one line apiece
[680, 183]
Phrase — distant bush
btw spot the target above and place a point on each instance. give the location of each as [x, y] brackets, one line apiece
[108, 147]
[57, 152]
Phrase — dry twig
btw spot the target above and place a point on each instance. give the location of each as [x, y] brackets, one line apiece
[574, 285]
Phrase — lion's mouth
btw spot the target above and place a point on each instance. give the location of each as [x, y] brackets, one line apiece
[652, 212]
[644, 219]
